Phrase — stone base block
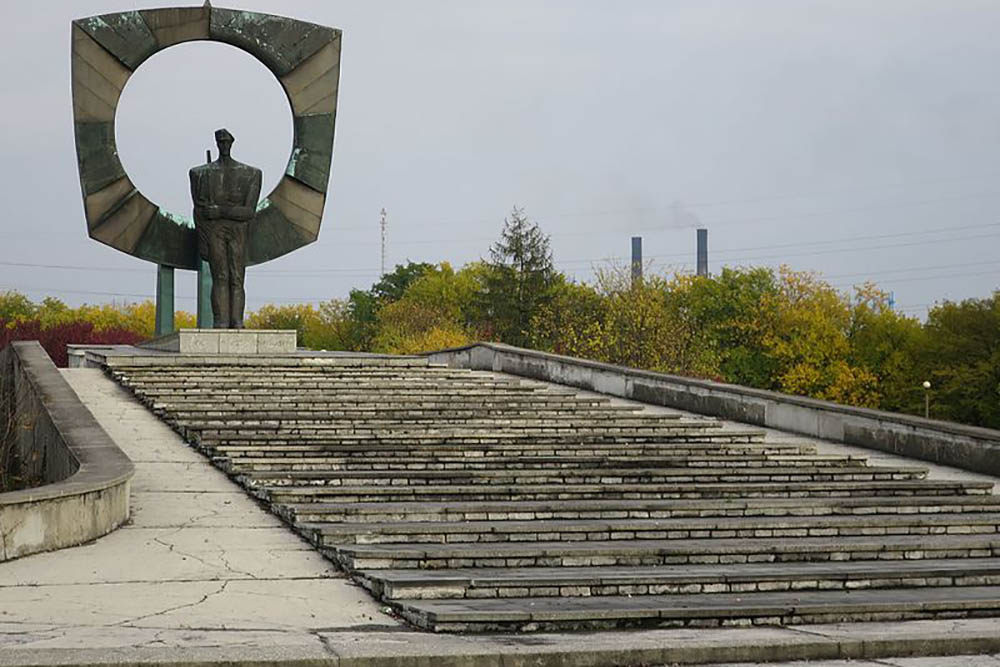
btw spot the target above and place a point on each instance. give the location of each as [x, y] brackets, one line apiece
[226, 341]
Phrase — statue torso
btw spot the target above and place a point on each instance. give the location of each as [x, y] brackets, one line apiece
[223, 183]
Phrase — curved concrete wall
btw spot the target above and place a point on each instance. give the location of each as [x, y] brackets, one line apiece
[85, 493]
[967, 447]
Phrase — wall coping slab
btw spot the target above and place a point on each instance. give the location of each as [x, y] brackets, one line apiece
[92, 500]
[947, 443]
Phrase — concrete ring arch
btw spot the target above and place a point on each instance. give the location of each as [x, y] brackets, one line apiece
[107, 49]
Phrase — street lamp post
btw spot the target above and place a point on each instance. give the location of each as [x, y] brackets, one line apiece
[927, 399]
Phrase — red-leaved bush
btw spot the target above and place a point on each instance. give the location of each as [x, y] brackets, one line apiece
[55, 338]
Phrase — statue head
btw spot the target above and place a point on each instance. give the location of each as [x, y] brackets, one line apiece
[224, 140]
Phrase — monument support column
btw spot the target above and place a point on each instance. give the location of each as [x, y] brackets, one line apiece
[164, 300]
[205, 317]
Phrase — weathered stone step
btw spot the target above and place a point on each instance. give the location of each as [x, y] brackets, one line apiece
[470, 451]
[718, 609]
[443, 410]
[530, 476]
[662, 552]
[454, 437]
[471, 428]
[364, 405]
[321, 370]
[182, 379]
[189, 386]
[260, 381]
[317, 362]
[152, 374]
[579, 530]
[328, 421]
[374, 405]
[479, 583]
[635, 509]
[333, 462]
[616, 491]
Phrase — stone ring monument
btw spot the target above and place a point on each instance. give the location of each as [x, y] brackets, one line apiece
[107, 49]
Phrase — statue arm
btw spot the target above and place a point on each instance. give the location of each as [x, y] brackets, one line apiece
[203, 208]
[195, 195]
[248, 210]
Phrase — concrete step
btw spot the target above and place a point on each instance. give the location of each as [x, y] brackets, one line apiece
[661, 552]
[598, 530]
[377, 411]
[393, 374]
[333, 462]
[371, 409]
[705, 610]
[636, 509]
[352, 494]
[365, 405]
[188, 385]
[318, 362]
[320, 420]
[470, 428]
[301, 436]
[529, 477]
[501, 452]
[545, 582]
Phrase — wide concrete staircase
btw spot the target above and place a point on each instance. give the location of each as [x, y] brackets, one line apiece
[476, 501]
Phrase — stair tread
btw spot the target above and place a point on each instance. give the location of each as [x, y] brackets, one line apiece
[623, 488]
[713, 545]
[601, 525]
[608, 575]
[708, 604]
[723, 504]
[792, 471]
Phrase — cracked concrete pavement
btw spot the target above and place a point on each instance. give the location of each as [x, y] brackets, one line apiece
[199, 564]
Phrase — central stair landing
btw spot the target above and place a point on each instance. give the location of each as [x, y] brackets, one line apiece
[475, 501]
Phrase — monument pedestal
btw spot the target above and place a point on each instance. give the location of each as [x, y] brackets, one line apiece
[225, 341]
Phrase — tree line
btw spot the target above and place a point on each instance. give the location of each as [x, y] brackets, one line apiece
[777, 329]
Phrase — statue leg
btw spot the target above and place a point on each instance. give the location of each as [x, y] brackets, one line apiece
[237, 273]
[220, 275]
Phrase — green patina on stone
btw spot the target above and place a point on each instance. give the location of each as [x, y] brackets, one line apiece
[272, 235]
[313, 154]
[179, 220]
[169, 240]
[124, 35]
[97, 156]
[278, 42]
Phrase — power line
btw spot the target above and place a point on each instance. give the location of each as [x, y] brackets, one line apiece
[660, 228]
[359, 272]
[964, 274]
[815, 252]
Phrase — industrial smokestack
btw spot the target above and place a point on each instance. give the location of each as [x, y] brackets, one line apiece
[636, 259]
[702, 252]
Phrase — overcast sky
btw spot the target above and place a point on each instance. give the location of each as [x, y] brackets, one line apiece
[859, 139]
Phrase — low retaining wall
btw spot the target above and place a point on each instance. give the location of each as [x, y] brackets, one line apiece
[85, 477]
[967, 447]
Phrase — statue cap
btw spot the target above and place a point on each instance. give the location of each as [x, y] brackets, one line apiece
[224, 135]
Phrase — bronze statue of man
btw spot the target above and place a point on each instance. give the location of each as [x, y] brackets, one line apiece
[225, 194]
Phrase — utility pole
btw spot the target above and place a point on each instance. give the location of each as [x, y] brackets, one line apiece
[385, 225]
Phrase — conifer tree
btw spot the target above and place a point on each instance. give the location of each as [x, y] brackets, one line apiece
[519, 279]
